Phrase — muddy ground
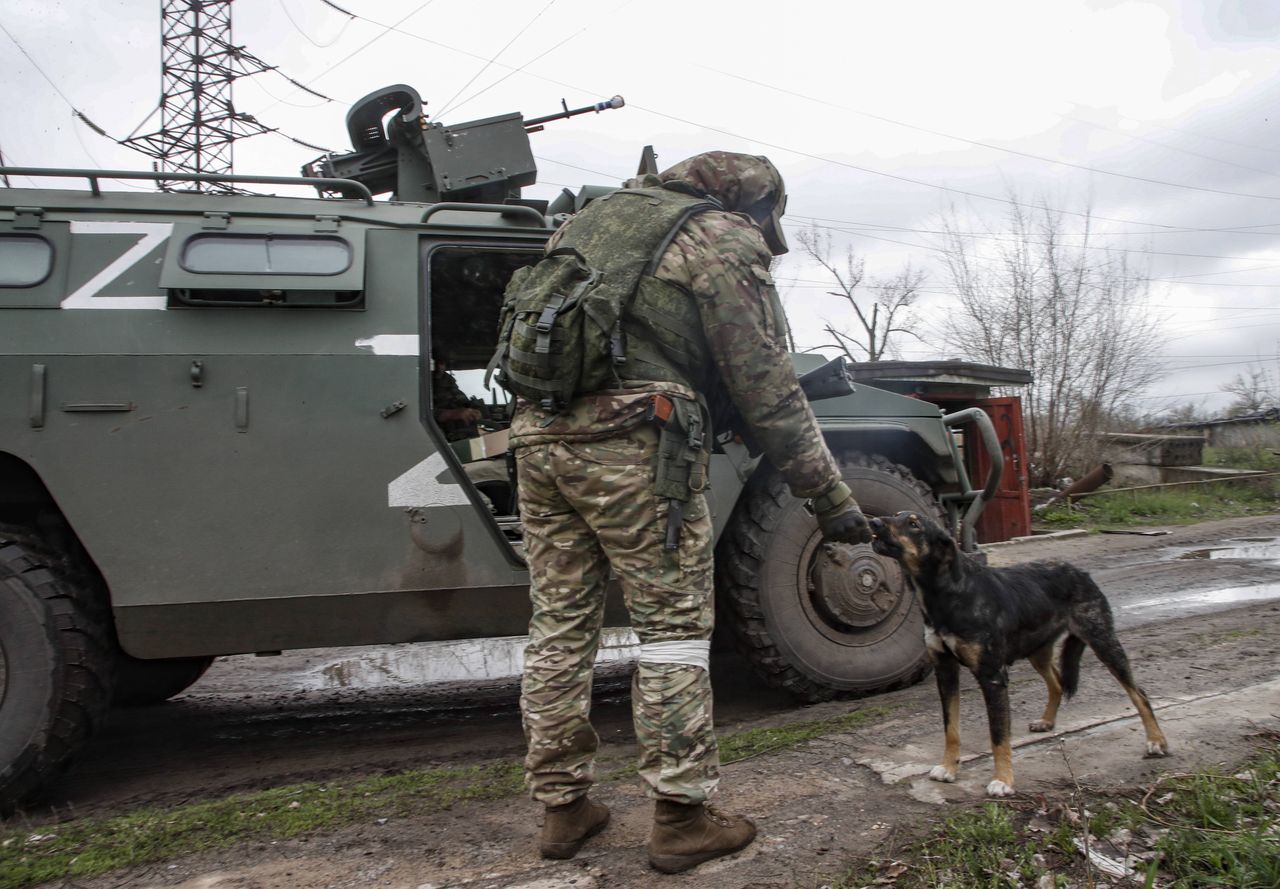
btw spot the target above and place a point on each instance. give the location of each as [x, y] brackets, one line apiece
[1210, 664]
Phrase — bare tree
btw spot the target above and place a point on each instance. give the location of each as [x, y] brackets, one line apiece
[1253, 392]
[1049, 298]
[881, 313]
[784, 294]
[1186, 412]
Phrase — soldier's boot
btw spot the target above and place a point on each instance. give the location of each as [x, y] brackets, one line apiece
[685, 836]
[565, 828]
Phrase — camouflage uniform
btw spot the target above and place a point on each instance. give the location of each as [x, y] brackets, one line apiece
[446, 394]
[586, 487]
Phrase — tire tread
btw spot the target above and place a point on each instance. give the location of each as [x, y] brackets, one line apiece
[739, 569]
[80, 615]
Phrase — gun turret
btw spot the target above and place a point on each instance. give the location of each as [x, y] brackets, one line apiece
[481, 161]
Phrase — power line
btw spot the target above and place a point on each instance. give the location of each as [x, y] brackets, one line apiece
[297, 27]
[536, 58]
[1167, 147]
[820, 158]
[894, 176]
[36, 65]
[993, 261]
[485, 67]
[1196, 135]
[387, 29]
[552, 160]
[1127, 222]
[988, 145]
[1013, 240]
[1170, 230]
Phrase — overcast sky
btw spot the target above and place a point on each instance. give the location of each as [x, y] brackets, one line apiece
[879, 114]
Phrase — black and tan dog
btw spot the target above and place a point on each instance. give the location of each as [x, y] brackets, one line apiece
[987, 618]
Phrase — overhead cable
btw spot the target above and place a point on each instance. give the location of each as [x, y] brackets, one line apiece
[988, 145]
[485, 67]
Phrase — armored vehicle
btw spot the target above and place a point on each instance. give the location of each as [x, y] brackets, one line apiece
[217, 436]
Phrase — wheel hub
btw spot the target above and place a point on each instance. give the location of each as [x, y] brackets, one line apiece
[853, 585]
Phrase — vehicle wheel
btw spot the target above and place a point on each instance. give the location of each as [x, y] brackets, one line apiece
[55, 666]
[818, 620]
[139, 682]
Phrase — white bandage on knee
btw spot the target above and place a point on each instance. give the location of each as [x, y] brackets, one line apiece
[691, 652]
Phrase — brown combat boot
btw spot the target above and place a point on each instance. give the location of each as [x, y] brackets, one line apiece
[565, 828]
[685, 836]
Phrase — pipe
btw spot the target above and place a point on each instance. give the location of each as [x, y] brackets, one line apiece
[1092, 480]
[995, 453]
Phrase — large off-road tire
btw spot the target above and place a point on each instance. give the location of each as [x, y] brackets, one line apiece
[55, 665]
[140, 683]
[816, 620]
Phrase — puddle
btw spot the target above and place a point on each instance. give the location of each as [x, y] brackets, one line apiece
[1207, 600]
[467, 660]
[1258, 549]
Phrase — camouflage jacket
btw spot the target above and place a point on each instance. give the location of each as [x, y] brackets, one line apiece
[446, 394]
[720, 260]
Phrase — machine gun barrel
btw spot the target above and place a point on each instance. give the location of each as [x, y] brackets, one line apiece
[532, 126]
[398, 150]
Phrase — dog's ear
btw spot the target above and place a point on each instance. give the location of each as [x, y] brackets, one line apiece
[951, 552]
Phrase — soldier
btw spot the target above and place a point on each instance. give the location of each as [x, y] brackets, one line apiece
[612, 482]
[455, 412]
[458, 417]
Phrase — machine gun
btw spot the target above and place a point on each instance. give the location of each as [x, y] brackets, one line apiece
[479, 161]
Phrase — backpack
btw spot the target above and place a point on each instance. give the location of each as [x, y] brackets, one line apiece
[561, 323]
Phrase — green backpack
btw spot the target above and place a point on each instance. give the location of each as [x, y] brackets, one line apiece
[561, 324]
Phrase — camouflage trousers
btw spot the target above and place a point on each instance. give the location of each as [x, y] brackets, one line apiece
[589, 508]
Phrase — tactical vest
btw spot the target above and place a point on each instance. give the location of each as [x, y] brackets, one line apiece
[590, 316]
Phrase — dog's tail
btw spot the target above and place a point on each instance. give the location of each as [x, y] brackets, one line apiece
[1069, 664]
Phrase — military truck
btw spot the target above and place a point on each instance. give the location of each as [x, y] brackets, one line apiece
[217, 437]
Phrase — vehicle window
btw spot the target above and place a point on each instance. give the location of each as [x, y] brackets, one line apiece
[266, 255]
[25, 260]
[465, 286]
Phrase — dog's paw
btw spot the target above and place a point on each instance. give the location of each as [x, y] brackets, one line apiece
[1157, 748]
[1040, 725]
[999, 788]
[943, 774]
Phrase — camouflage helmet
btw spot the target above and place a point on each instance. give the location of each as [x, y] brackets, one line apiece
[742, 183]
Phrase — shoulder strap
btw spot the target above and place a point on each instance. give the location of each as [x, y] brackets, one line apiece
[616, 339]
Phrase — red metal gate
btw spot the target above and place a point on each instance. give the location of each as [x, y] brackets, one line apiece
[1008, 513]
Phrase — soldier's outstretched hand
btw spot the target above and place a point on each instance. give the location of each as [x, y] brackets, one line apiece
[842, 521]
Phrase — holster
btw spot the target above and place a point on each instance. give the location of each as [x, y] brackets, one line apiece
[683, 455]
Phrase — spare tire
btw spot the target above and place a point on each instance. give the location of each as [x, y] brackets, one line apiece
[820, 620]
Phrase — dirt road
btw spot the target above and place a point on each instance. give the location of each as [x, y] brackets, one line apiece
[1198, 611]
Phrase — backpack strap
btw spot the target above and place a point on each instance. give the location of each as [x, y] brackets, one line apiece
[547, 318]
[616, 339]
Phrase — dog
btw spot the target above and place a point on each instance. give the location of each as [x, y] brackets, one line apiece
[987, 618]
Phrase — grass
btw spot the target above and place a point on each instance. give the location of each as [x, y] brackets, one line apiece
[758, 741]
[1259, 458]
[1204, 829]
[1177, 505]
[95, 846]
[38, 852]
[1165, 506]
